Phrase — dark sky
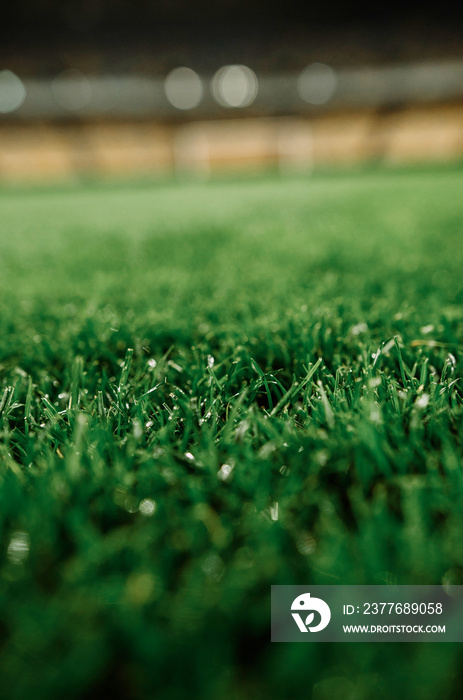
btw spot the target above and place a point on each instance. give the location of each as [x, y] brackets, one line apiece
[43, 35]
[107, 14]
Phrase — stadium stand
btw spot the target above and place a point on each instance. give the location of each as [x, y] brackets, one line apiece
[112, 91]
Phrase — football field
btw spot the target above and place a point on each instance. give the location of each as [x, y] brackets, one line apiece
[207, 388]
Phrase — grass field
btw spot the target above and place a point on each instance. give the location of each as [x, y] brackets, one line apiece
[209, 388]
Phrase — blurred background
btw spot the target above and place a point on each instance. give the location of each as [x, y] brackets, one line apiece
[174, 86]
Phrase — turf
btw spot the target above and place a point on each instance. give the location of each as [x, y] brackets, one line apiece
[210, 387]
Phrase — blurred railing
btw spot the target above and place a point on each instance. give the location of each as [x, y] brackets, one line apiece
[237, 89]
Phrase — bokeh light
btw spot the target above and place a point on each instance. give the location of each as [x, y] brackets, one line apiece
[72, 90]
[183, 88]
[235, 86]
[317, 83]
[12, 92]
[18, 548]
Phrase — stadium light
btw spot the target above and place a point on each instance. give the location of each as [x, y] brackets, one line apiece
[235, 86]
[183, 88]
[317, 83]
[12, 92]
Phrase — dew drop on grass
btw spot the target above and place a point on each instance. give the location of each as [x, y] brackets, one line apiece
[147, 507]
[137, 429]
[206, 418]
[322, 457]
[169, 476]
[18, 548]
[359, 328]
[451, 582]
[131, 504]
[422, 401]
[305, 543]
[375, 415]
[224, 472]
[213, 567]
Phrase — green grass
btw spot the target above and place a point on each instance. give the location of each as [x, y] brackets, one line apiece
[305, 332]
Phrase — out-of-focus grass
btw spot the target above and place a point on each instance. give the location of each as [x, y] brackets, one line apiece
[206, 389]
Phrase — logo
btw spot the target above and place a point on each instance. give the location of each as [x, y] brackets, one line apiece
[304, 603]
